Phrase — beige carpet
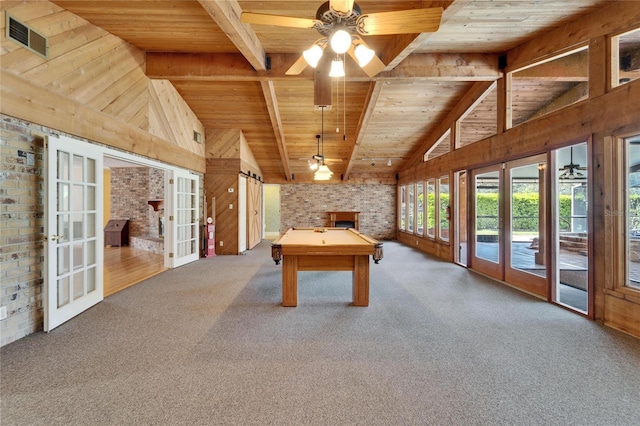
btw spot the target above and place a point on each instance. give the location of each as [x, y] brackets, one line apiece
[209, 343]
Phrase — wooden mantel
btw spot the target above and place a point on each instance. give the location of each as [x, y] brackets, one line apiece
[338, 219]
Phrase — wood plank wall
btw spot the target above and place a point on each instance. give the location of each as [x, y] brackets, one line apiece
[94, 86]
[227, 154]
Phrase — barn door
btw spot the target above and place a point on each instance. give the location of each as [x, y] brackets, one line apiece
[73, 230]
[254, 212]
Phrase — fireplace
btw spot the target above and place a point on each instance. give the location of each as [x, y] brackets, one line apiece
[344, 219]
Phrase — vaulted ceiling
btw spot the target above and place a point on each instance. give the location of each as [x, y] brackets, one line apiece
[233, 75]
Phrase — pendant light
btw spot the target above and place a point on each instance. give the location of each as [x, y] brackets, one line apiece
[323, 172]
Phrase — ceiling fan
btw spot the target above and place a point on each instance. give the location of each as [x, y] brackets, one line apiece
[319, 159]
[341, 22]
[571, 170]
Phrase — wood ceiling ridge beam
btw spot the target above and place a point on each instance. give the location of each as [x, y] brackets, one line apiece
[271, 100]
[369, 105]
[234, 67]
[474, 95]
[226, 14]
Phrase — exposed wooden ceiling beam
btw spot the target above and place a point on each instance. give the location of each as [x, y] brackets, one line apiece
[276, 122]
[233, 67]
[226, 14]
[574, 67]
[372, 99]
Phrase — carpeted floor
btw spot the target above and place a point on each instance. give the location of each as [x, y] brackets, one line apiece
[209, 343]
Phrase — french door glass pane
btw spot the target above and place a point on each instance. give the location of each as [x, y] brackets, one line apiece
[63, 291]
[487, 220]
[632, 210]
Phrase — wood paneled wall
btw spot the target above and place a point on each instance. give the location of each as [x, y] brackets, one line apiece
[93, 85]
[227, 154]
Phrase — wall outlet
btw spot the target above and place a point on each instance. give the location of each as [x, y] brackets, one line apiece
[3, 312]
[221, 243]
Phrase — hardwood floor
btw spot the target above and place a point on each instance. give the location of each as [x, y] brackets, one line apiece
[126, 266]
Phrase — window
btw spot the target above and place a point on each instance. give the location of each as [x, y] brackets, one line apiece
[420, 208]
[549, 86]
[411, 208]
[431, 208]
[625, 62]
[443, 208]
[403, 208]
[480, 121]
[441, 147]
[632, 210]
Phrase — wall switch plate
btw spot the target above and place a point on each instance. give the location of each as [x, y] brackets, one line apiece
[230, 206]
[221, 243]
[3, 312]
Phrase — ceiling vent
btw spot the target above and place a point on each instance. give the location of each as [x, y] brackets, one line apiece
[19, 32]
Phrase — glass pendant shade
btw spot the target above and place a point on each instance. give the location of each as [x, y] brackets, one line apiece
[323, 173]
[363, 54]
[340, 41]
[337, 68]
[312, 55]
[313, 164]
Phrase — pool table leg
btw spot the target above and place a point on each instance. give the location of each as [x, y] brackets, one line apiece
[361, 281]
[290, 281]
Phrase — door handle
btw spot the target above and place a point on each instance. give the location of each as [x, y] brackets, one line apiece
[56, 237]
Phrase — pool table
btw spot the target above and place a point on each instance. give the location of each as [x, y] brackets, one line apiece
[325, 249]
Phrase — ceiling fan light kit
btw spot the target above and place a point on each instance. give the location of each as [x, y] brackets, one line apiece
[337, 68]
[312, 55]
[363, 54]
[340, 41]
[341, 23]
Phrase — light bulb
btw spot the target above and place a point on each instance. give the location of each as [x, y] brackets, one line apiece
[312, 55]
[337, 68]
[363, 54]
[340, 41]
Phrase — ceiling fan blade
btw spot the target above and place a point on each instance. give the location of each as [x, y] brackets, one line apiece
[277, 20]
[410, 21]
[374, 66]
[341, 6]
[333, 160]
[297, 67]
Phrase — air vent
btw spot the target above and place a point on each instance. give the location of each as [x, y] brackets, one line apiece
[19, 32]
[197, 136]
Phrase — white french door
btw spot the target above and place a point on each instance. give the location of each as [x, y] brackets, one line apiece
[73, 230]
[183, 218]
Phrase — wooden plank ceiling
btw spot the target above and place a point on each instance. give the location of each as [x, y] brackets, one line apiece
[219, 67]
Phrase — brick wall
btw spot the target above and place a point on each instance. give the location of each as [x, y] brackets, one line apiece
[306, 205]
[131, 188]
[21, 227]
